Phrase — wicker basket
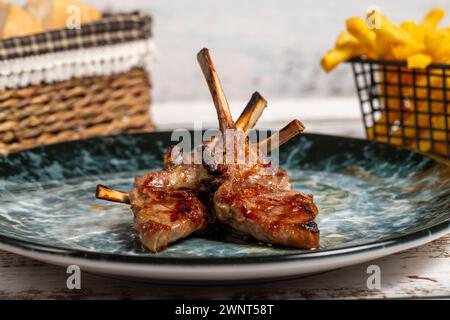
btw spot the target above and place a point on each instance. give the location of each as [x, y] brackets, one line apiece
[87, 103]
[408, 107]
[74, 109]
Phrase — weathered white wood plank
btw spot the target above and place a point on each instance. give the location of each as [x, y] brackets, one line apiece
[419, 272]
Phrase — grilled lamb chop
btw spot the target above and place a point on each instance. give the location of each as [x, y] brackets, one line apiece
[260, 201]
[268, 213]
[166, 205]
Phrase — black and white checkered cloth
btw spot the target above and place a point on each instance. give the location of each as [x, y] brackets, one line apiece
[111, 29]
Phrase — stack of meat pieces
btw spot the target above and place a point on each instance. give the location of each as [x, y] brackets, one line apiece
[251, 196]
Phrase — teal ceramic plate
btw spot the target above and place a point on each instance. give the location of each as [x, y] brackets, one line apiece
[374, 200]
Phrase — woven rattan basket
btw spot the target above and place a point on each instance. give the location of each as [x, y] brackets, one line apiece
[98, 92]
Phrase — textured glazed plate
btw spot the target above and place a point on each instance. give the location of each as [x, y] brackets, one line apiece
[374, 200]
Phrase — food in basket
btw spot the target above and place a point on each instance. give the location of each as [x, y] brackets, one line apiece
[53, 14]
[41, 15]
[378, 38]
[251, 196]
[413, 103]
[16, 22]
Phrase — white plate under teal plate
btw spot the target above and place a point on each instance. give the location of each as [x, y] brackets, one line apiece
[374, 200]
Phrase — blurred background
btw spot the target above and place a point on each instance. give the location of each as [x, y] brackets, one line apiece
[271, 46]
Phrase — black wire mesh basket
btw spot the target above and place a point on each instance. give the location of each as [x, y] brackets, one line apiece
[402, 106]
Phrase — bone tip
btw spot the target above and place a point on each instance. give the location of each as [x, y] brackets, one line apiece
[257, 96]
[298, 125]
[204, 52]
[98, 191]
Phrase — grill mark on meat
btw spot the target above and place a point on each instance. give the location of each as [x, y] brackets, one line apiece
[167, 207]
[261, 202]
[151, 226]
[311, 225]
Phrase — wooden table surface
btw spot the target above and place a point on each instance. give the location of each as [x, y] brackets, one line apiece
[419, 272]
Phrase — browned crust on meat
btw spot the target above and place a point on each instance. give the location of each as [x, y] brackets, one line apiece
[164, 215]
[275, 216]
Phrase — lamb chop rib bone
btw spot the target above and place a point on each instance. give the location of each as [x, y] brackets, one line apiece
[215, 87]
[105, 193]
[291, 130]
[251, 113]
